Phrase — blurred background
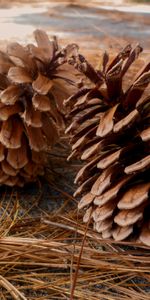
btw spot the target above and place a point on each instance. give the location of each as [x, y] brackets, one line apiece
[95, 25]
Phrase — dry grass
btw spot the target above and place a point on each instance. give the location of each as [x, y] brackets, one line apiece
[52, 255]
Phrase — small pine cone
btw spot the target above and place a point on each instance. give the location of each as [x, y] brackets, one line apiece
[33, 83]
[110, 131]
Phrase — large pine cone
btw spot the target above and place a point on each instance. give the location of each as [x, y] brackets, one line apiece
[33, 82]
[111, 133]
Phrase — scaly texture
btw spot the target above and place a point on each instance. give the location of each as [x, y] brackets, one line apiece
[110, 128]
[34, 80]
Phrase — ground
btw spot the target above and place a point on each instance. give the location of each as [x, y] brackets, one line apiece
[41, 235]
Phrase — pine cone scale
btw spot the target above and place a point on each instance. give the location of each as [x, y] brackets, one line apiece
[19, 75]
[10, 95]
[42, 85]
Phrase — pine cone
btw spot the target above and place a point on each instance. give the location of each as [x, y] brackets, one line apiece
[110, 127]
[33, 82]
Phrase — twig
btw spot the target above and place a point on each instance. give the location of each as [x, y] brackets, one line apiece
[79, 259]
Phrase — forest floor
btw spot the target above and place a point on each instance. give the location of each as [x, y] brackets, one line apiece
[40, 238]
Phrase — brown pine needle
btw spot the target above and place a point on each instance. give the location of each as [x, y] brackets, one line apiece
[11, 289]
[39, 249]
